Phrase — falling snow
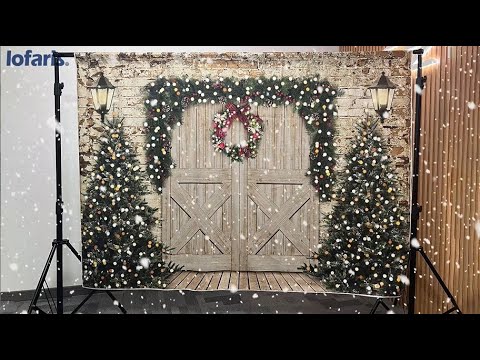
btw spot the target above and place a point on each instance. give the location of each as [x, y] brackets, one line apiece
[145, 262]
[405, 280]
[418, 89]
[415, 243]
[471, 105]
[54, 124]
[13, 266]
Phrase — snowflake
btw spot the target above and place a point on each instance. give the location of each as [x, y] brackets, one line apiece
[405, 280]
[145, 262]
[13, 266]
[418, 89]
[415, 243]
[471, 105]
[138, 219]
[54, 124]
[255, 296]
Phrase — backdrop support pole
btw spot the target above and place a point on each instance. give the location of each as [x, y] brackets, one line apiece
[59, 241]
[415, 206]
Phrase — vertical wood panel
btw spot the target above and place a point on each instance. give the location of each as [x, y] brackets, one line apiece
[449, 177]
[475, 139]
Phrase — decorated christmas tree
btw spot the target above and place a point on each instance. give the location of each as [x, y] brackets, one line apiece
[119, 249]
[366, 248]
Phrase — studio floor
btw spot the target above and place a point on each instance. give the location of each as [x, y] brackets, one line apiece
[210, 302]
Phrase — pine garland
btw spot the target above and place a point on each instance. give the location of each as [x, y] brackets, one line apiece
[313, 99]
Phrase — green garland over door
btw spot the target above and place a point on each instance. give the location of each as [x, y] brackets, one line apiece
[313, 99]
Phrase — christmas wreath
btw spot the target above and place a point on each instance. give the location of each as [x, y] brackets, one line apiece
[313, 100]
[252, 124]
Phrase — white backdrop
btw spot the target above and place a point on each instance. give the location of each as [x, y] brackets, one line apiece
[28, 158]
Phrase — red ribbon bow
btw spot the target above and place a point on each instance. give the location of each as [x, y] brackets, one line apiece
[238, 112]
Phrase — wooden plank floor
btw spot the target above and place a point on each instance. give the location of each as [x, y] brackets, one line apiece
[250, 281]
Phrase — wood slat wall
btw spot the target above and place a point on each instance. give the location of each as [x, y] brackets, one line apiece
[449, 177]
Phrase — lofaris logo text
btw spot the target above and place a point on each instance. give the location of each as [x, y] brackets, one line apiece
[31, 59]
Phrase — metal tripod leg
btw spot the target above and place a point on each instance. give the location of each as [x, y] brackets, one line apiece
[33, 304]
[442, 284]
[77, 255]
[83, 302]
[38, 290]
[115, 301]
[377, 304]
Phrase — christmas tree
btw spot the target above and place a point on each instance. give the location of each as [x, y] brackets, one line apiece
[366, 248]
[119, 249]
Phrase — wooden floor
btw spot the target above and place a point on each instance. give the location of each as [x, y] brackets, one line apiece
[254, 281]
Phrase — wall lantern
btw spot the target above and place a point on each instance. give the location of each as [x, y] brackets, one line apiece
[102, 93]
[382, 96]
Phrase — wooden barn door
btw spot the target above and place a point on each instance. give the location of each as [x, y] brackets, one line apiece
[197, 204]
[282, 210]
[258, 215]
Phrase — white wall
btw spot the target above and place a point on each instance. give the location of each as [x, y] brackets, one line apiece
[28, 160]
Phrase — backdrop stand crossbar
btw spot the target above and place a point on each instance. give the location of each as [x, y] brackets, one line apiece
[415, 206]
[59, 241]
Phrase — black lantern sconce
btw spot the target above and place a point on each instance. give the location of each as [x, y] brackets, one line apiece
[382, 96]
[102, 93]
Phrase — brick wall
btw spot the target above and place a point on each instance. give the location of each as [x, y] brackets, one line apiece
[351, 72]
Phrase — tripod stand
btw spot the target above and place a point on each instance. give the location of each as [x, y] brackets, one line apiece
[59, 241]
[415, 207]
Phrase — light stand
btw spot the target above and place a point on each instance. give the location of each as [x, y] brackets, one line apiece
[415, 206]
[59, 241]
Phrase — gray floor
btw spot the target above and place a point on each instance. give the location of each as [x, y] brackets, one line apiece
[211, 302]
